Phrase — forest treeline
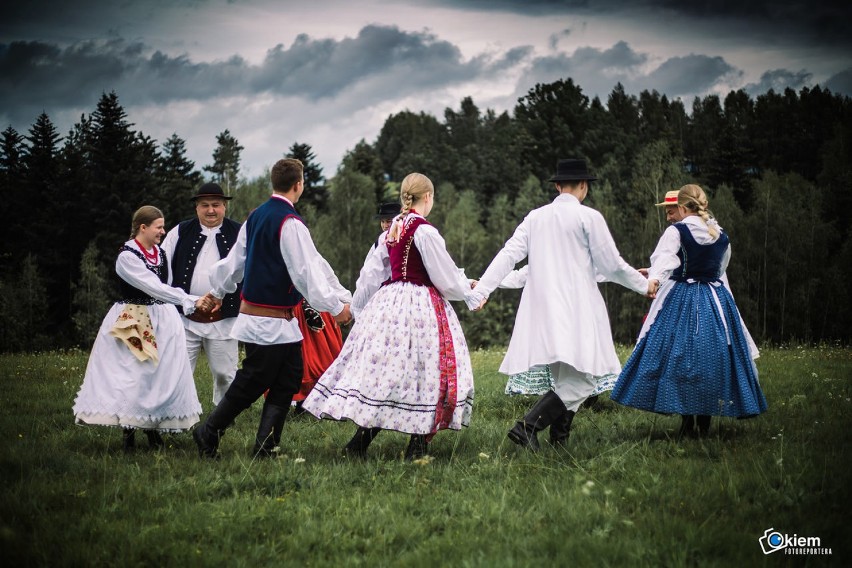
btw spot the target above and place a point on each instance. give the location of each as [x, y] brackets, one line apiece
[777, 168]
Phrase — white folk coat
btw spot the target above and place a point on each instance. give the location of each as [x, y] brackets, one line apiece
[562, 316]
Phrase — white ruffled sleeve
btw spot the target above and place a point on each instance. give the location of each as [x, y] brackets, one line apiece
[450, 280]
[664, 259]
[132, 270]
[375, 271]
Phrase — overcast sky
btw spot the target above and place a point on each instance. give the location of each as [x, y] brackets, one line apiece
[329, 72]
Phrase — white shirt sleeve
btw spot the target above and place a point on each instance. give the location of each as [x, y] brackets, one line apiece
[516, 278]
[443, 272]
[514, 251]
[133, 271]
[311, 274]
[226, 274]
[664, 259]
[609, 266]
[168, 245]
[375, 271]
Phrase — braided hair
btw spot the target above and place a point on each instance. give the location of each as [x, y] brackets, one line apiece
[412, 190]
[692, 198]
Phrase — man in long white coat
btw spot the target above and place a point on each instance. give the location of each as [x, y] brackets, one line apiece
[562, 319]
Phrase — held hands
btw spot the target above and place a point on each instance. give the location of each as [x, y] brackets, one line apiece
[653, 286]
[345, 316]
[208, 303]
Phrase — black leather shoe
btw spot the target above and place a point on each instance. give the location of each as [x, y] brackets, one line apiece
[206, 448]
[154, 439]
[417, 447]
[129, 440]
[357, 446]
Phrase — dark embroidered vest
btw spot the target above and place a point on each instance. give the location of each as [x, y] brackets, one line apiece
[188, 246]
[405, 260]
[129, 294]
[266, 281]
[699, 262]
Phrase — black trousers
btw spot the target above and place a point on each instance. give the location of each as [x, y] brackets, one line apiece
[277, 368]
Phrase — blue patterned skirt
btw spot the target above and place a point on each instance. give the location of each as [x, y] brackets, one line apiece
[685, 363]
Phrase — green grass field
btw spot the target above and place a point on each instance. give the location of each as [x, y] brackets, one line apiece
[623, 493]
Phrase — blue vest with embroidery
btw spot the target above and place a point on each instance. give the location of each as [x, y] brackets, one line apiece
[699, 262]
[266, 281]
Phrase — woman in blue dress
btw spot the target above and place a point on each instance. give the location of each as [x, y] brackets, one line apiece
[693, 357]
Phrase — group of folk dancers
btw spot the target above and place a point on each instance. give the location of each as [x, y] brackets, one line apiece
[405, 365]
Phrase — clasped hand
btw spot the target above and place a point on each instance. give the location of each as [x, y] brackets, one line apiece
[208, 303]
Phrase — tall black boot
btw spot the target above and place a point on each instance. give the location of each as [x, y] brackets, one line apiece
[703, 422]
[544, 413]
[417, 447]
[561, 428]
[357, 446]
[154, 439]
[687, 426]
[128, 440]
[207, 435]
[269, 432]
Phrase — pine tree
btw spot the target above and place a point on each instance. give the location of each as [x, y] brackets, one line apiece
[122, 167]
[46, 207]
[316, 194]
[177, 181]
[345, 233]
[91, 296]
[226, 162]
[13, 194]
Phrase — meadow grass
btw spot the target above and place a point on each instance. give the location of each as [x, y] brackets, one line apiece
[625, 492]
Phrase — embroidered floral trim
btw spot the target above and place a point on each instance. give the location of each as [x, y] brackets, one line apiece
[448, 390]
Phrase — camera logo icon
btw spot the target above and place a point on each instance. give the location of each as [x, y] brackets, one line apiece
[772, 541]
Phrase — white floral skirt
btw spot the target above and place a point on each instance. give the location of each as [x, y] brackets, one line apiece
[405, 366]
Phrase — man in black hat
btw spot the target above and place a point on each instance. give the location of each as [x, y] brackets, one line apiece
[387, 211]
[193, 247]
[562, 319]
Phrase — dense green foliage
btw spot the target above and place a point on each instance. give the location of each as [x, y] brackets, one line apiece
[777, 168]
[623, 493]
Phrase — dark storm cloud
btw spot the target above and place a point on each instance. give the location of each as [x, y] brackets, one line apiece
[814, 22]
[681, 76]
[840, 83]
[381, 62]
[597, 71]
[778, 80]
[324, 68]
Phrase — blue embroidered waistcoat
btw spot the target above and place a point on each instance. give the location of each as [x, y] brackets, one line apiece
[266, 281]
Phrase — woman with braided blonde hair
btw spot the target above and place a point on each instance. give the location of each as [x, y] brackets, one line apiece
[405, 365]
[694, 356]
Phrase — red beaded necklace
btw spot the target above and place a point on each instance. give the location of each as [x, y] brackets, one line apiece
[151, 257]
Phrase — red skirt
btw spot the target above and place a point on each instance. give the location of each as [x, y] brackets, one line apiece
[321, 345]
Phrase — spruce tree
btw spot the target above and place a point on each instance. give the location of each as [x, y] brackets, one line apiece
[177, 181]
[91, 296]
[226, 162]
[316, 193]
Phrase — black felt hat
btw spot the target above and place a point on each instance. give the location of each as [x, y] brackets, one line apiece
[211, 189]
[572, 170]
[388, 210]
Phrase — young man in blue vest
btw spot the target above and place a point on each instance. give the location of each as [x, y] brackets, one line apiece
[278, 264]
[193, 247]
